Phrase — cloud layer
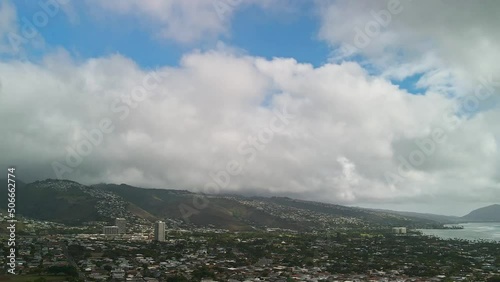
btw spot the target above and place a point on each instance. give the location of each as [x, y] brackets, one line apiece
[348, 128]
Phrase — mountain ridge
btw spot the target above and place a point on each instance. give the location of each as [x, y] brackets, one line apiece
[72, 203]
[489, 213]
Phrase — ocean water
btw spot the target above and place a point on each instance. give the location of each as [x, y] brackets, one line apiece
[471, 231]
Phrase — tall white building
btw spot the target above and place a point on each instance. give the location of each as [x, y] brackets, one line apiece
[160, 231]
[110, 230]
[122, 225]
[399, 230]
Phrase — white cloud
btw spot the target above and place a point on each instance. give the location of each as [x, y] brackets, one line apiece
[8, 25]
[452, 46]
[452, 43]
[182, 21]
[186, 22]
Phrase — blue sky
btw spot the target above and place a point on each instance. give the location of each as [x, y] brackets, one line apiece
[88, 37]
[252, 29]
[258, 32]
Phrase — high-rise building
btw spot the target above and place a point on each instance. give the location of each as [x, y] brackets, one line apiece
[110, 230]
[160, 231]
[399, 230]
[122, 225]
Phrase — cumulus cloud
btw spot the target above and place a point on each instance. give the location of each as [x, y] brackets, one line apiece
[451, 47]
[452, 43]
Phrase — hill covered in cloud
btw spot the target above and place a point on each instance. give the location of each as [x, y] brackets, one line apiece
[72, 203]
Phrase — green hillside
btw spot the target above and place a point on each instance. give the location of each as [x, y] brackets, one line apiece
[73, 203]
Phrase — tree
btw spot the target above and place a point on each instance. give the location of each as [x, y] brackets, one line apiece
[177, 278]
[203, 272]
[494, 279]
[68, 270]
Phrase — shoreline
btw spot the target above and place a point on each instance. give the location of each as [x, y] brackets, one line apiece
[478, 231]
